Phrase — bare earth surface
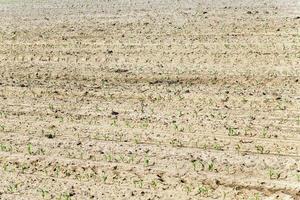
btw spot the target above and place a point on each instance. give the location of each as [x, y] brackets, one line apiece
[136, 99]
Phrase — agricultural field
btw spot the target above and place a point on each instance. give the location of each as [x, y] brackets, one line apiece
[150, 99]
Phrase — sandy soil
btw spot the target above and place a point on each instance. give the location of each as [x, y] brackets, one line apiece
[136, 99]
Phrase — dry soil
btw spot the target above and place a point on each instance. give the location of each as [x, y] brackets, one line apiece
[158, 99]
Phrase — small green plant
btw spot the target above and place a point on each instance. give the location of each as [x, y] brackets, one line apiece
[273, 174]
[6, 148]
[176, 143]
[2, 127]
[43, 192]
[264, 133]
[61, 119]
[51, 107]
[57, 171]
[153, 184]
[108, 157]
[260, 149]
[24, 167]
[202, 190]
[146, 162]
[298, 177]
[41, 151]
[104, 178]
[256, 197]
[30, 148]
[217, 147]
[224, 195]
[138, 183]
[114, 123]
[5, 167]
[232, 131]
[64, 196]
[238, 147]
[13, 187]
[211, 166]
[188, 189]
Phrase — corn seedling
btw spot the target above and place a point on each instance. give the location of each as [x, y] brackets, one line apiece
[196, 164]
[24, 167]
[298, 177]
[260, 149]
[153, 184]
[188, 189]
[104, 178]
[138, 183]
[64, 196]
[202, 190]
[5, 148]
[211, 166]
[146, 162]
[30, 149]
[232, 131]
[217, 147]
[109, 158]
[12, 188]
[5, 167]
[43, 192]
[264, 133]
[51, 107]
[273, 174]
[114, 123]
[57, 170]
